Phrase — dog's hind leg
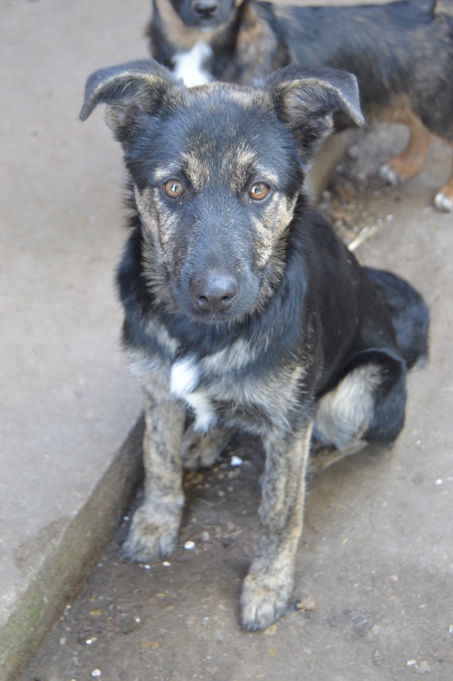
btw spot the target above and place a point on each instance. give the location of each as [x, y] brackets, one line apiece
[322, 457]
[367, 405]
[444, 197]
[155, 525]
[269, 583]
[410, 162]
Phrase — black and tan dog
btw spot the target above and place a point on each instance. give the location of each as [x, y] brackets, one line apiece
[401, 53]
[242, 307]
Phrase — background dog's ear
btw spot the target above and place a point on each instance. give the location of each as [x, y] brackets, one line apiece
[306, 99]
[131, 91]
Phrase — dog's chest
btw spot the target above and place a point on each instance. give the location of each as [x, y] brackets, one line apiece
[185, 385]
[222, 390]
[215, 394]
[190, 66]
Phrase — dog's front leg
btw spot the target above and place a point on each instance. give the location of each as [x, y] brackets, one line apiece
[155, 524]
[268, 585]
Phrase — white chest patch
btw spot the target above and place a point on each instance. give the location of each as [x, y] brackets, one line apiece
[189, 65]
[185, 376]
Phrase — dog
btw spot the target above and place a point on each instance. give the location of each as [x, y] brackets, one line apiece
[243, 310]
[401, 54]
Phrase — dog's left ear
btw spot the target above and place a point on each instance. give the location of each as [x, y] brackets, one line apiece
[306, 99]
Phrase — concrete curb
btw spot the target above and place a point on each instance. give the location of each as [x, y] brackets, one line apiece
[71, 552]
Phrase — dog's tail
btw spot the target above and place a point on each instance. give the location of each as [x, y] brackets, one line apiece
[409, 314]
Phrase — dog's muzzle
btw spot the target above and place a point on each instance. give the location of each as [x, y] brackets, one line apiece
[213, 292]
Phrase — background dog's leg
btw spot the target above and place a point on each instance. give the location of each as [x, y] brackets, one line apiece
[444, 197]
[268, 585]
[203, 450]
[411, 160]
[155, 524]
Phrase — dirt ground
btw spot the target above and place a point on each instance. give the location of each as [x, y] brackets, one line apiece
[374, 584]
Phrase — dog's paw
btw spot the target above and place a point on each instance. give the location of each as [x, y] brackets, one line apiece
[150, 536]
[444, 200]
[202, 451]
[264, 598]
[389, 175]
[403, 167]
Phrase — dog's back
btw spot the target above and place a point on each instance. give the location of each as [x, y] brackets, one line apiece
[409, 314]
[401, 54]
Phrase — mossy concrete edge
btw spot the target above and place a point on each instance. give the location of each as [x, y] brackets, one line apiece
[70, 556]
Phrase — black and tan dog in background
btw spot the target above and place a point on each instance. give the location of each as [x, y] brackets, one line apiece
[243, 310]
[401, 53]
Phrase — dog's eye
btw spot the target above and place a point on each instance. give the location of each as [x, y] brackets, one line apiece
[259, 191]
[174, 189]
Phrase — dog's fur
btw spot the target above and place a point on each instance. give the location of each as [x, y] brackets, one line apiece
[243, 309]
[401, 53]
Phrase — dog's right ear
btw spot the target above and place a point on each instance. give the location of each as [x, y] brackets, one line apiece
[132, 91]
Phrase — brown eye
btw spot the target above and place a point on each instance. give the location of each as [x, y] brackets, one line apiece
[174, 189]
[259, 191]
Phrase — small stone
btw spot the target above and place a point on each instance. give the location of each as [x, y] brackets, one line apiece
[189, 545]
[166, 563]
[306, 604]
[270, 631]
[96, 673]
[424, 667]
[410, 663]
[236, 461]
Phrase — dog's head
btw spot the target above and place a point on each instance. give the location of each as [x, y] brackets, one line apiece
[204, 15]
[216, 173]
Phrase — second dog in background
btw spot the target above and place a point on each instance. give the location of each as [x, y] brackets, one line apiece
[401, 54]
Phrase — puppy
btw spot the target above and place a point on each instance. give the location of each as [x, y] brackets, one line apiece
[401, 53]
[242, 308]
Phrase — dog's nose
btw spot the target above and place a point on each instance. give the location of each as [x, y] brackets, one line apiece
[205, 8]
[214, 292]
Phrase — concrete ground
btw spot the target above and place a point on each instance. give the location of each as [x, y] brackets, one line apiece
[374, 573]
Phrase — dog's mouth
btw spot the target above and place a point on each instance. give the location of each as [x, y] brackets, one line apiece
[204, 24]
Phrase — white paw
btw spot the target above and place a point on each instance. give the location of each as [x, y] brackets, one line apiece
[389, 175]
[443, 202]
